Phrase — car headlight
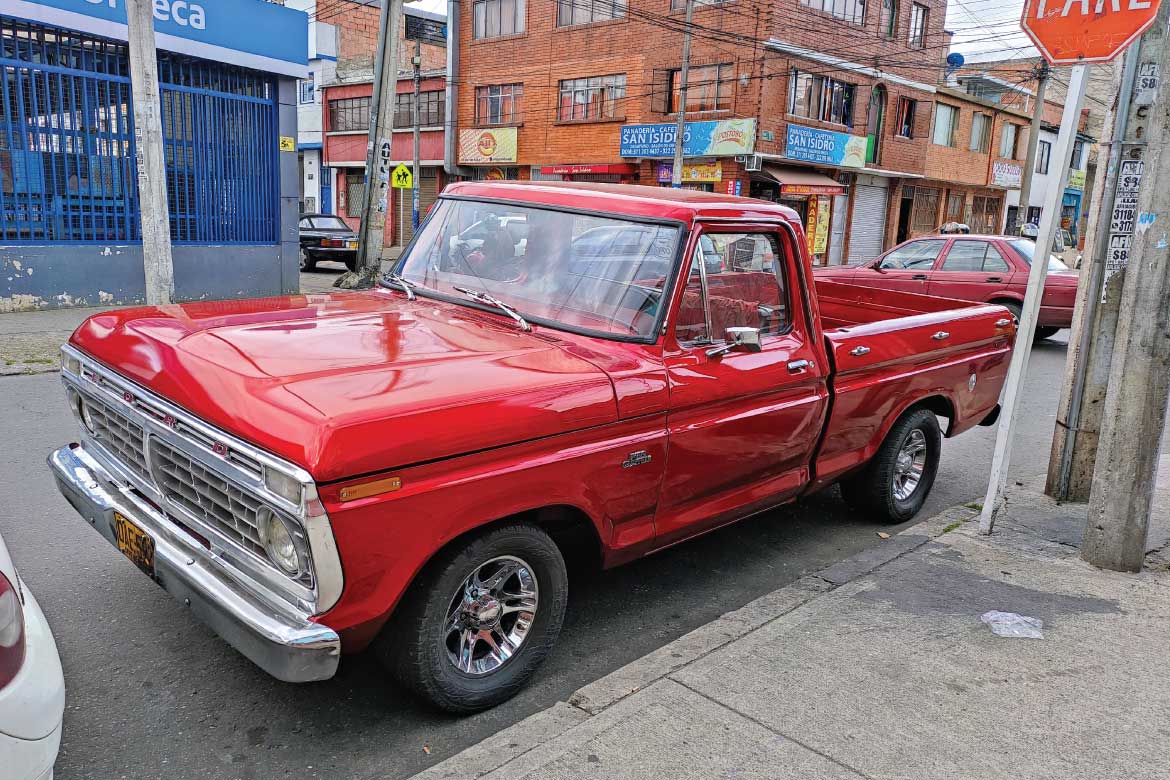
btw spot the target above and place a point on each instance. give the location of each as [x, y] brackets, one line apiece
[283, 485]
[70, 364]
[278, 542]
[83, 412]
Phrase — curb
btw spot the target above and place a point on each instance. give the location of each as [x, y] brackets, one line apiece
[513, 742]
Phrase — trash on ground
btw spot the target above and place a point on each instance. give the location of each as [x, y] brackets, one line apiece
[1014, 626]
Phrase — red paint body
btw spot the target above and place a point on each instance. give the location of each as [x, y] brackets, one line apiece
[482, 421]
[998, 285]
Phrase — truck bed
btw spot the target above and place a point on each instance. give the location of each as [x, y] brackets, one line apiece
[887, 346]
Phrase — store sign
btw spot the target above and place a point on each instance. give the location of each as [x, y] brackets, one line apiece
[1076, 180]
[264, 36]
[497, 145]
[1006, 174]
[817, 225]
[811, 189]
[825, 146]
[602, 168]
[692, 172]
[722, 138]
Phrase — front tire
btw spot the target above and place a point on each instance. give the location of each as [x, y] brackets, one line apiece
[894, 485]
[478, 622]
[307, 263]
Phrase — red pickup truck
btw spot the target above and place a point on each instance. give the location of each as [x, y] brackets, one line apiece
[604, 371]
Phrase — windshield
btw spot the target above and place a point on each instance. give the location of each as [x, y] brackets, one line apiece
[328, 223]
[578, 271]
[1026, 249]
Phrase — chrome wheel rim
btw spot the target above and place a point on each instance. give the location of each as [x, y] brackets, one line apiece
[490, 615]
[909, 465]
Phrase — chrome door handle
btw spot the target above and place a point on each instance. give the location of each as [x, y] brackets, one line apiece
[1003, 323]
[859, 351]
[796, 366]
[942, 334]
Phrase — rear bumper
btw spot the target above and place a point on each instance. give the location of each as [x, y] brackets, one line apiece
[339, 254]
[275, 637]
[1055, 317]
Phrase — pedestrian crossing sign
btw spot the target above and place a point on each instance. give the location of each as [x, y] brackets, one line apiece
[401, 178]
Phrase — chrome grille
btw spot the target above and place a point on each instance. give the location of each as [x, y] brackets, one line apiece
[206, 496]
[119, 434]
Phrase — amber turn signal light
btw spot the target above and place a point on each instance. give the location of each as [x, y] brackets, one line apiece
[367, 489]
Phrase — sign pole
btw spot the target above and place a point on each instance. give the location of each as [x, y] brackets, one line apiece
[1049, 221]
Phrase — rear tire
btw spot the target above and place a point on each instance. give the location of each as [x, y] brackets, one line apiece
[449, 603]
[894, 485]
[1045, 333]
[307, 263]
[351, 264]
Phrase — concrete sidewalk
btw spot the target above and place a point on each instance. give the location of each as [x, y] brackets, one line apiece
[880, 667]
[30, 340]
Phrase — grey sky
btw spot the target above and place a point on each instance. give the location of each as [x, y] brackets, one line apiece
[988, 27]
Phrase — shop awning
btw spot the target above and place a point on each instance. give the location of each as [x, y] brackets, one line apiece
[797, 181]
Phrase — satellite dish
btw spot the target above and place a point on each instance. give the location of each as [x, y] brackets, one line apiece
[954, 62]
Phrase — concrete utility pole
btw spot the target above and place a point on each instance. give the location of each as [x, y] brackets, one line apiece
[149, 157]
[1042, 74]
[681, 108]
[1139, 375]
[378, 152]
[1112, 221]
[417, 61]
[1018, 368]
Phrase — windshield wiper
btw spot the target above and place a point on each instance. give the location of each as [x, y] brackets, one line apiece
[408, 287]
[491, 300]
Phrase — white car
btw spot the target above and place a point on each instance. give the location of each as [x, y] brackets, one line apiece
[32, 688]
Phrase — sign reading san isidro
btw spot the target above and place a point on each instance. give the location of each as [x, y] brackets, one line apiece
[263, 36]
[718, 138]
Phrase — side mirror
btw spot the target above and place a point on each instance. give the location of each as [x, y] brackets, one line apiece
[740, 338]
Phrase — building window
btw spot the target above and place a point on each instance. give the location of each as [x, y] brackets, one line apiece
[1008, 139]
[498, 104]
[595, 97]
[349, 114]
[679, 5]
[709, 88]
[919, 14]
[822, 98]
[889, 21]
[924, 217]
[308, 90]
[956, 203]
[852, 11]
[946, 124]
[573, 12]
[907, 109]
[431, 109]
[1043, 153]
[1078, 153]
[980, 132]
[493, 18]
[355, 194]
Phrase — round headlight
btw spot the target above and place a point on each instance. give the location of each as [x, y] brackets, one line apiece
[278, 542]
[83, 412]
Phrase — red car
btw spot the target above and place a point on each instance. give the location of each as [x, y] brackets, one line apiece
[988, 269]
[410, 466]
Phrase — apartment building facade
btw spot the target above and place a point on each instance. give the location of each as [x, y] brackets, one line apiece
[824, 106]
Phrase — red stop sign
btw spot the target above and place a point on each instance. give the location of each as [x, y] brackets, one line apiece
[1070, 31]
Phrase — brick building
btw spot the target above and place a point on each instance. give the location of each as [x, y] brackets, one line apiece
[829, 111]
[346, 110]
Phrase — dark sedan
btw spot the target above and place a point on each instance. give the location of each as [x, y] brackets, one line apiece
[326, 237]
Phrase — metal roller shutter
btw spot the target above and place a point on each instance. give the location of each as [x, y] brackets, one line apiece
[428, 193]
[868, 227]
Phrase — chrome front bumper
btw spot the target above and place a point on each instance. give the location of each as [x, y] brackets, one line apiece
[277, 638]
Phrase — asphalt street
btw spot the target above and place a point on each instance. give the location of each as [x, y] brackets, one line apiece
[152, 693]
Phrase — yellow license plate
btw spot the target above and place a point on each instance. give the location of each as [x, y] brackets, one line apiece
[351, 245]
[135, 544]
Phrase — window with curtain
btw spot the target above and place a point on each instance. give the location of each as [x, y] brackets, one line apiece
[1008, 139]
[980, 132]
[907, 110]
[709, 88]
[498, 104]
[574, 12]
[596, 97]
[946, 125]
[495, 18]
[822, 98]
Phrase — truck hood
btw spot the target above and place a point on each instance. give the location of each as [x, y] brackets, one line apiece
[354, 383]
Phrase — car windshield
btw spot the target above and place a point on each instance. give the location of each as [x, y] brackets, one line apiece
[1027, 249]
[328, 223]
[565, 269]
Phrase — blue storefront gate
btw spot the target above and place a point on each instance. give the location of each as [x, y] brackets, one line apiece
[67, 171]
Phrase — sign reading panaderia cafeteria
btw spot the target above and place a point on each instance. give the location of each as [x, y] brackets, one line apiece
[719, 138]
[263, 36]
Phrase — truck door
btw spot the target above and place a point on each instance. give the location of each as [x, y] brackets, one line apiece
[741, 425]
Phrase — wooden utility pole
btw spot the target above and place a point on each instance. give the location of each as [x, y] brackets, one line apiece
[1139, 374]
[150, 160]
[681, 108]
[378, 152]
[1042, 74]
